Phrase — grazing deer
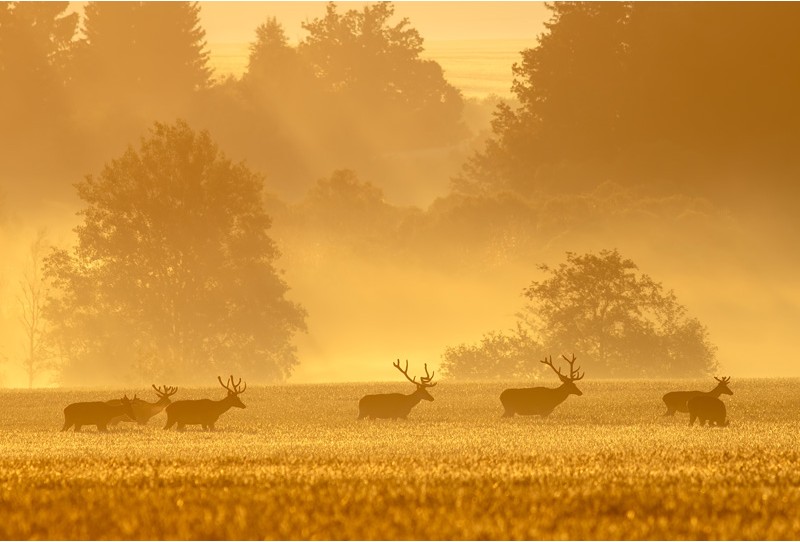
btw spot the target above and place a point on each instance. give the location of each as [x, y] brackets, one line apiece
[143, 410]
[97, 413]
[396, 405]
[204, 412]
[541, 401]
[706, 407]
[676, 400]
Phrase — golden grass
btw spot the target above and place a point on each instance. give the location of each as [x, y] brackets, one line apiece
[297, 464]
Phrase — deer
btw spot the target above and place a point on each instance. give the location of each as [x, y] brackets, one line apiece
[144, 410]
[205, 412]
[542, 401]
[677, 400]
[97, 413]
[706, 407]
[397, 405]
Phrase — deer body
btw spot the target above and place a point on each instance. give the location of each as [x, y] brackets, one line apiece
[677, 401]
[144, 410]
[707, 408]
[391, 405]
[97, 413]
[534, 401]
[204, 412]
[396, 405]
[541, 401]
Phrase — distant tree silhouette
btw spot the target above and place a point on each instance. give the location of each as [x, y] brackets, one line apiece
[621, 322]
[33, 293]
[173, 272]
[501, 356]
[668, 94]
[139, 60]
[382, 87]
[35, 46]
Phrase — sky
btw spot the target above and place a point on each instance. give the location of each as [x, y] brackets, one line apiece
[236, 21]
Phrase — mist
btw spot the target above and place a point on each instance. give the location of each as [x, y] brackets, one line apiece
[406, 215]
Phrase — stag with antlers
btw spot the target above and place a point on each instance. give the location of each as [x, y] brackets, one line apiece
[144, 410]
[541, 401]
[397, 405]
[677, 401]
[205, 412]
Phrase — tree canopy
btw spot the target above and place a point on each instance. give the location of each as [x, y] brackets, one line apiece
[676, 95]
[618, 321]
[173, 271]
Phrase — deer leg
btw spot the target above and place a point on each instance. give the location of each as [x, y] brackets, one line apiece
[692, 417]
[67, 425]
[211, 427]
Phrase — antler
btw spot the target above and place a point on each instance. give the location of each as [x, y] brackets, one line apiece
[165, 391]
[234, 388]
[574, 374]
[424, 381]
[404, 371]
[549, 363]
[723, 380]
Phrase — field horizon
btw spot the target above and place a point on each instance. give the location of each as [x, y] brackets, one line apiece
[297, 464]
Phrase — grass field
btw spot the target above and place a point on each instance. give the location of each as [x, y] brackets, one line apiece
[297, 464]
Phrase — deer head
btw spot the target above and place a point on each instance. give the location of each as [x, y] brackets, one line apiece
[424, 381]
[723, 385]
[165, 392]
[127, 405]
[233, 391]
[568, 382]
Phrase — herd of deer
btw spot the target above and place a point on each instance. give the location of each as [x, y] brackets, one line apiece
[538, 401]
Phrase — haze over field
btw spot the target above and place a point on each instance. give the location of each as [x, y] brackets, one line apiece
[397, 230]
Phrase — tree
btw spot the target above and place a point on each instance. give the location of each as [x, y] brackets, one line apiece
[499, 356]
[32, 296]
[570, 89]
[145, 58]
[378, 80]
[687, 95]
[173, 275]
[35, 44]
[621, 323]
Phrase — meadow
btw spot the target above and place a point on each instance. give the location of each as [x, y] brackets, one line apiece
[297, 464]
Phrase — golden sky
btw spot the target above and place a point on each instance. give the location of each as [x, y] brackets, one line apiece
[236, 21]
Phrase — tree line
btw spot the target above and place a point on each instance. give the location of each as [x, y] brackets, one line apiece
[618, 122]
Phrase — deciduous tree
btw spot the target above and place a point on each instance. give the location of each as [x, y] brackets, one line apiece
[173, 274]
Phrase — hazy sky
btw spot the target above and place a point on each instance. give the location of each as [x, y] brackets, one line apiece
[236, 21]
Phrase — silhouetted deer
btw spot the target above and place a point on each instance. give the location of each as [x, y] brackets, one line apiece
[541, 401]
[396, 405]
[705, 407]
[204, 412]
[97, 413]
[676, 400]
[143, 410]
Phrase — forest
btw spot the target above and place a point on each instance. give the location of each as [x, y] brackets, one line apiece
[340, 204]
